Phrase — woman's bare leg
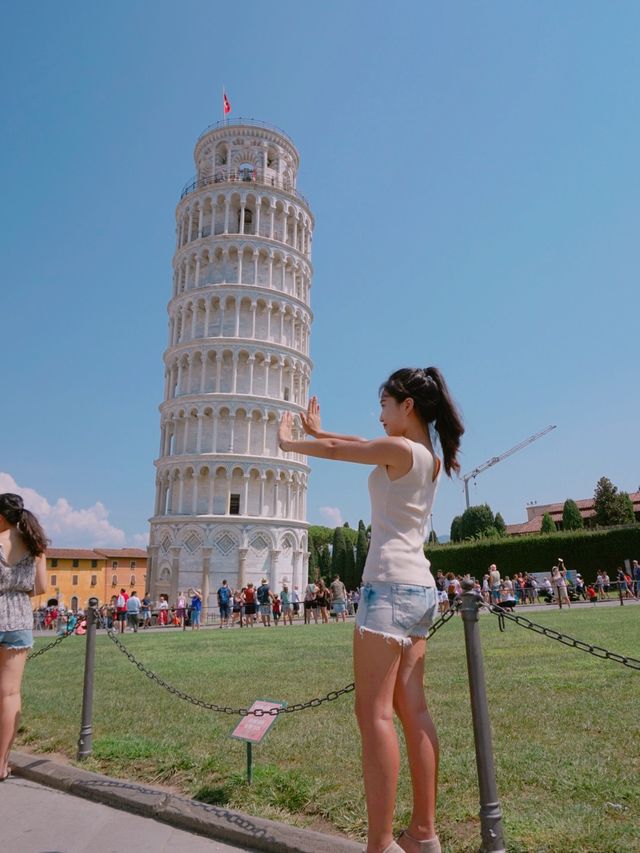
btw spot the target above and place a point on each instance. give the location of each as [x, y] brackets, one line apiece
[12, 663]
[375, 662]
[421, 739]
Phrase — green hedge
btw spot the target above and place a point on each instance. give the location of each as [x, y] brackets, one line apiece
[586, 551]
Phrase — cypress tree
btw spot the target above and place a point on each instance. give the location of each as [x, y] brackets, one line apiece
[499, 525]
[349, 577]
[313, 558]
[548, 524]
[362, 547]
[571, 518]
[324, 563]
[339, 554]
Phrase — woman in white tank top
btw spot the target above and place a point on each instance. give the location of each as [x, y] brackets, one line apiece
[399, 598]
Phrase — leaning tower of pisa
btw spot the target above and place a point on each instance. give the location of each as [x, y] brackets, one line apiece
[229, 503]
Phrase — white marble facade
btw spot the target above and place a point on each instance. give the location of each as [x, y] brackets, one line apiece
[229, 503]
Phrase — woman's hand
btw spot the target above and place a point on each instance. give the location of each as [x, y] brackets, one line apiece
[285, 429]
[311, 420]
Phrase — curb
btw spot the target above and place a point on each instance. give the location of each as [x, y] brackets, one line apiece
[211, 821]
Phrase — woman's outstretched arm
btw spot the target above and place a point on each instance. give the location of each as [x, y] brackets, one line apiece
[390, 450]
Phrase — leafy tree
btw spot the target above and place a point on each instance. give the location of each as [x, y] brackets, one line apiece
[362, 548]
[433, 539]
[455, 534]
[571, 517]
[612, 507]
[346, 524]
[320, 535]
[477, 522]
[626, 508]
[548, 524]
[499, 525]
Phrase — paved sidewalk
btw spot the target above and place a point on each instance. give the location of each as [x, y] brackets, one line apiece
[36, 819]
[82, 812]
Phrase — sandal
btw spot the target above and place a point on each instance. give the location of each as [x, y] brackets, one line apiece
[428, 845]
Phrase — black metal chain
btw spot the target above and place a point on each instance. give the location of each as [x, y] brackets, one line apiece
[258, 712]
[50, 645]
[565, 639]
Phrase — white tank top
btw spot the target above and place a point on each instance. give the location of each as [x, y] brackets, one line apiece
[399, 511]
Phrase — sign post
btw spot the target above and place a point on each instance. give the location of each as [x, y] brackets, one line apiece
[252, 728]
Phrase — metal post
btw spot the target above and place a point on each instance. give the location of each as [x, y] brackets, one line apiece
[85, 745]
[249, 763]
[490, 813]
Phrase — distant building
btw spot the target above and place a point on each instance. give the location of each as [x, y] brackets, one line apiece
[586, 507]
[76, 574]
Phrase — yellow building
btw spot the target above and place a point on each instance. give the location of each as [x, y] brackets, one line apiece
[76, 574]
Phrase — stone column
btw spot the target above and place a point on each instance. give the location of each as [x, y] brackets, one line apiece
[252, 361]
[175, 574]
[214, 440]
[242, 566]
[199, 433]
[226, 215]
[274, 573]
[152, 571]
[204, 585]
[203, 362]
[245, 495]
[185, 437]
[218, 371]
[180, 492]
[295, 570]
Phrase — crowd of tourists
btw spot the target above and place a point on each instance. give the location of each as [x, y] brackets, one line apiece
[320, 603]
[507, 591]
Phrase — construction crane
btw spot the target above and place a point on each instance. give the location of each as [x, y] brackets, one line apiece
[495, 459]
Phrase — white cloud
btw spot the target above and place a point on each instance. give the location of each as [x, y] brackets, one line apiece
[141, 540]
[69, 527]
[333, 515]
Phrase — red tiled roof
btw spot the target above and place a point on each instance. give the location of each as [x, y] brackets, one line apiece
[125, 553]
[73, 554]
[586, 507]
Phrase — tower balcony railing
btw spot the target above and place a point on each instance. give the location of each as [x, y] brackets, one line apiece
[245, 177]
[239, 122]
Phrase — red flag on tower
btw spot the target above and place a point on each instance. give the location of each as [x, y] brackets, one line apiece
[226, 106]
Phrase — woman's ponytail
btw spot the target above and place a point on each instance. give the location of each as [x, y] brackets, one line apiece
[433, 404]
[12, 508]
[447, 423]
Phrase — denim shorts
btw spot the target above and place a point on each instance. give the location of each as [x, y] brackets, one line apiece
[17, 639]
[397, 611]
[339, 607]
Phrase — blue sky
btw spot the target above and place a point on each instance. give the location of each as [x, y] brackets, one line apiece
[473, 171]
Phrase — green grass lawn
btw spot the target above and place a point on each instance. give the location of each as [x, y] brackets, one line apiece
[565, 726]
